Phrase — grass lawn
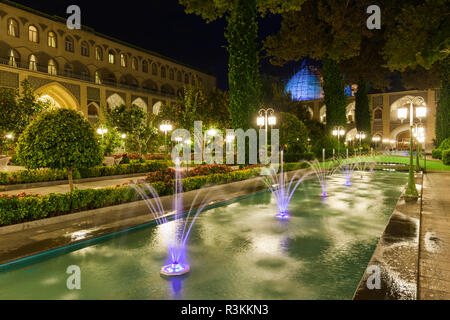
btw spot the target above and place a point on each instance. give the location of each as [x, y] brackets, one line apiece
[433, 165]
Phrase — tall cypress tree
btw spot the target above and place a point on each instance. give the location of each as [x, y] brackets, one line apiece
[362, 112]
[243, 66]
[334, 95]
[442, 112]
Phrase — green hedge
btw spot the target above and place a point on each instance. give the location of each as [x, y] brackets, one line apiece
[44, 175]
[446, 157]
[437, 153]
[23, 208]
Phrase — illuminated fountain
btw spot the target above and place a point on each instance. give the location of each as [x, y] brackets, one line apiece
[282, 189]
[177, 259]
[323, 171]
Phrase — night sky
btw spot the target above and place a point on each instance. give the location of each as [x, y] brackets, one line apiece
[163, 26]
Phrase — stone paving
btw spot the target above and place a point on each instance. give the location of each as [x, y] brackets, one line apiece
[64, 188]
[434, 270]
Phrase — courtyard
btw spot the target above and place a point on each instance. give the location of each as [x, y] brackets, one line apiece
[126, 174]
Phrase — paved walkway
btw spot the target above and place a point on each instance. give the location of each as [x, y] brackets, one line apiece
[434, 282]
[64, 188]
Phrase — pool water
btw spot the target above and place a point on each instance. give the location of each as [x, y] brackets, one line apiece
[236, 251]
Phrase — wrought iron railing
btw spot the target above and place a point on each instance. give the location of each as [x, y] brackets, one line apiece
[44, 69]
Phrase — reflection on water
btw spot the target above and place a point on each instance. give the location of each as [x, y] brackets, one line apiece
[239, 251]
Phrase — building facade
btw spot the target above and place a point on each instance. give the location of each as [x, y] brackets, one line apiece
[387, 129]
[85, 70]
[391, 131]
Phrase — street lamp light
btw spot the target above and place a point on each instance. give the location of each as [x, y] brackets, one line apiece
[165, 127]
[402, 113]
[339, 131]
[266, 117]
[9, 136]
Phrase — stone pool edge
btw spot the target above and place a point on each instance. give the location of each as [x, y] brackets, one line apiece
[396, 255]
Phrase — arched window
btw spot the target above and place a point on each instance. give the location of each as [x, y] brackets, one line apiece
[85, 73]
[171, 74]
[52, 39]
[111, 57]
[68, 70]
[179, 76]
[52, 67]
[33, 63]
[134, 64]
[378, 114]
[33, 35]
[98, 80]
[154, 69]
[69, 44]
[13, 28]
[145, 66]
[84, 49]
[163, 72]
[123, 60]
[193, 81]
[98, 54]
[13, 58]
[92, 113]
[200, 81]
[186, 78]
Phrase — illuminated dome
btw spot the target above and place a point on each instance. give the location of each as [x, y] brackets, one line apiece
[305, 84]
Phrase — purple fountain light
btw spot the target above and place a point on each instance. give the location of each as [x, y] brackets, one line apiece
[178, 264]
[282, 190]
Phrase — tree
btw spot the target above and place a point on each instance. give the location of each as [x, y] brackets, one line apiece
[18, 108]
[334, 95]
[59, 139]
[362, 111]
[132, 121]
[443, 107]
[419, 39]
[241, 34]
[111, 140]
[420, 35]
[293, 137]
[243, 66]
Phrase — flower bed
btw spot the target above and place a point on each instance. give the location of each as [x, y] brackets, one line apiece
[45, 175]
[29, 207]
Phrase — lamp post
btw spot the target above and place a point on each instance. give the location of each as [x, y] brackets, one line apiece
[402, 113]
[165, 127]
[102, 132]
[360, 135]
[266, 117]
[339, 132]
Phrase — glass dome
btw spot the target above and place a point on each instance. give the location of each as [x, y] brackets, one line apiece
[305, 84]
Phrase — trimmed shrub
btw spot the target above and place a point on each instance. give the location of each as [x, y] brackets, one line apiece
[446, 157]
[436, 154]
[328, 143]
[44, 175]
[203, 170]
[28, 207]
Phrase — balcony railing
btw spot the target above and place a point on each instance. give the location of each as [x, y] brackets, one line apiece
[44, 69]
